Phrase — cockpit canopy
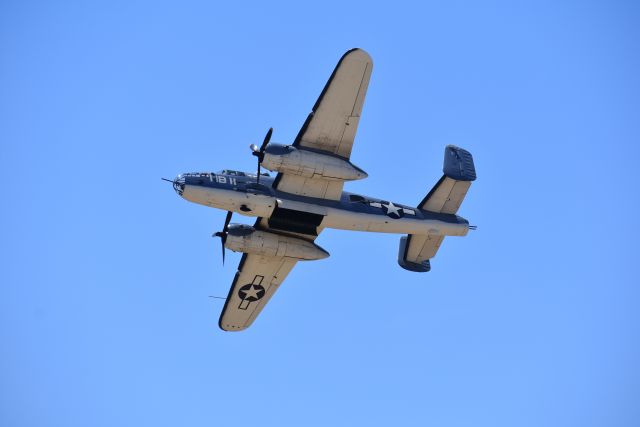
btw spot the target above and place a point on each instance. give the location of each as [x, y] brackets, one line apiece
[238, 173]
[222, 172]
[231, 172]
[194, 174]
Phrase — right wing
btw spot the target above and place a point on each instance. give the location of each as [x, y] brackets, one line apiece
[332, 124]
[257, 279]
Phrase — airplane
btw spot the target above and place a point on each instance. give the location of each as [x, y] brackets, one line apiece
[307, 196]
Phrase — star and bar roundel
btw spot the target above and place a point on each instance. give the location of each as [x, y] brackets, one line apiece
[391, 210]
[251, 292]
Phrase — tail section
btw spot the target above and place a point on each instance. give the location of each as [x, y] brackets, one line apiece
[445, 197]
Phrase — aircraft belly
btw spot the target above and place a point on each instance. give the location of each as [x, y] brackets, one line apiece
[358, 221]
[343, 219]
[231, 200]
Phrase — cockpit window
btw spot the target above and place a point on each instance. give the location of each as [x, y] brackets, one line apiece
[231, 172]
[254, 175]
[354, 198]
[197, 174]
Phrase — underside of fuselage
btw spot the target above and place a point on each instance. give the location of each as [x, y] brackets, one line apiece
[244, 194]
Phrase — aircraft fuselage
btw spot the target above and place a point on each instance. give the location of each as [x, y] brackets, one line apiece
[240, 193]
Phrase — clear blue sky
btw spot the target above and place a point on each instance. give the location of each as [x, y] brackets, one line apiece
[105, 273]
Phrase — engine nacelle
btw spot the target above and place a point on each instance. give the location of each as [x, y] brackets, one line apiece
[288, 159]
[244, 238]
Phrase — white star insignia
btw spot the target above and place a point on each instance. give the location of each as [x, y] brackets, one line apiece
[251, 292]
[391, 208]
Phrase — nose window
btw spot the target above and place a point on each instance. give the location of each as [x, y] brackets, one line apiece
[178, 184]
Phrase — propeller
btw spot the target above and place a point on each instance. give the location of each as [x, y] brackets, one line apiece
[259, 152]
[224, 233]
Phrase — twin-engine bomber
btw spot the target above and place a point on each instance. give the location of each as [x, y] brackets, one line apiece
[306, 197]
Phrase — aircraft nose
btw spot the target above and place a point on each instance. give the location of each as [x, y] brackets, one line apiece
[178, 184]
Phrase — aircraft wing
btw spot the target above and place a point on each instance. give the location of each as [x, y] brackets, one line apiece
[255, 282]
[257, 279]
[332, 124]
[330, 127]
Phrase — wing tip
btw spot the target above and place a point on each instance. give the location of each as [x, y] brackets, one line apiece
[357, 51]
[230, 328]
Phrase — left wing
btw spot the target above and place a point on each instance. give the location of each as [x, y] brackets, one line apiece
[257, 279]
[332, 124]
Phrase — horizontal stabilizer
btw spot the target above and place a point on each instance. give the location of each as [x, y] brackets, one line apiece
[416, 250]
[445, 197]
[449, 192]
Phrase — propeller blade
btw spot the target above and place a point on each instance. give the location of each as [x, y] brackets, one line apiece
[259, 152]
[224, 233]
[227, 220]
[223, 238]
[267, 138]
